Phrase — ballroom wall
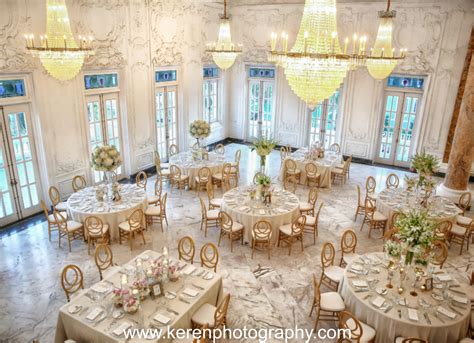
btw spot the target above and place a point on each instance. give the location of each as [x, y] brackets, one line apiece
[137, 37]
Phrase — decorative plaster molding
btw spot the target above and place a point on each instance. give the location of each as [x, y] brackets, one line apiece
[68, 166]
[357, 149]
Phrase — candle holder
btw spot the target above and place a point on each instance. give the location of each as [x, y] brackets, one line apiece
[390, 273]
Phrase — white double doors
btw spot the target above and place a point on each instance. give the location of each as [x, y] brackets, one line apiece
[19, 177]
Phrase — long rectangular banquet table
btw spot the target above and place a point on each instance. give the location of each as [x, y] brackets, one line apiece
[78, 328]
[325, 166]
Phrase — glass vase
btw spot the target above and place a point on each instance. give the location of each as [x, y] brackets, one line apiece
[263, 160]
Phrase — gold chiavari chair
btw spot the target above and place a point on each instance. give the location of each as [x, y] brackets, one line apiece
[291, 169]
[173, 150]
[464, 202]
[335, 148]
[156, 197]
[177, 178]
[220, 149]
[343, 173]
[392, 181]
[235, 170]
[288, 150]
[104, 260]
[372, 217]
[348, 248]
[389, 235]
[214, 203]
[291, 233]
[68, 228]
[215, 317]
[360, 204]
[52, 224]
[133, 226]
[162, 169]
[307, 207]
[332, 275]
[459, 235]
[141, 180]
[72, 280]
[97, 232]
[203, 179]
[223, 179]
[283, 155]
[393, 220]
[370, 186]
[438, 253]
[312, 174]
[209, 256]
[229, 228]
[208, 217]
[442, 230]
[412, 340]
[359, 331]
[156, 213]
[311, 225]
[78, 183]
[55, 198]
[256, 176]
[261, 236]
[186, 249]
[290, 184]
[327, 305]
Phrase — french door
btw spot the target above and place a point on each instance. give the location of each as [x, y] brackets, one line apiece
[323, 126]
[166, 119]
[103, 115]
[397, 129]
[261, 109]
[19, 178]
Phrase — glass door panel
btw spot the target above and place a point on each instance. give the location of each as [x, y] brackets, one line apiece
[166, 119]
[405, 134]
[389, 128]
[267, 115]
[261, 109]
[254, 108]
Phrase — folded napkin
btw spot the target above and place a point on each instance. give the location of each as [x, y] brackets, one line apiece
[97, 311]
[121, 328]
[357, 267]
[161, 318]
[262, 212]
[378, 301]
[413, 314]
[360, 283]
[460, 300]
[74, 308]
[189, 269]
[446, 312]
[190, 292]
[208, 276]
[100, 288]
[444, 277]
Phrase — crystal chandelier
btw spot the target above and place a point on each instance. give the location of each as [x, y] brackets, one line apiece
[316, 65]
[224, 52]
[58, 51]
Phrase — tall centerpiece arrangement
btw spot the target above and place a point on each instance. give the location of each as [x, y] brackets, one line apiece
[425, 165]
[107, 159]
[263, 146]
[199, 129]
[263, 187]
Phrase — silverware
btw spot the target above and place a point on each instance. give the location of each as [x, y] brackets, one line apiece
[389, 307]
[439, 318]
[427, 318]
[198, 287]
[454, 310]
[399, 313]
[172, 311]
[456, 291]
[100, 320]
[367, 296]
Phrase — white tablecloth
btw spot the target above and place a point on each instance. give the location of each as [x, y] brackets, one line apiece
[190, 167]
[283, 210]
[398, 199]
[388, 324]
[76, 326]
[325, 166]
[82, 204]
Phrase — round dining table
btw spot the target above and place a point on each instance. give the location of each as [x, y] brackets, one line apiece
[190, 166]
[438, 315]
[83, 204]
[283, 209]
[399, 200]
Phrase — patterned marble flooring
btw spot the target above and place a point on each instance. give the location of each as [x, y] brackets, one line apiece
[30, 265]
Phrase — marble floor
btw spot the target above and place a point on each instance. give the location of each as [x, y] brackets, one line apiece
[30, 265]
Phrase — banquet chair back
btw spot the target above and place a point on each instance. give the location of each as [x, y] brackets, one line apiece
[297, 227]
[141, 180]
[95, 231]
[335, 148]
[51, 220]
[204, 176]
[78, 183]
[438, 253]
[158, 186]
[186, 249]
[290, 183]
[328, 254]
[369, 207]
[464, 202]
[173, 150]
[164, 199]
[392, 181]
[238, 154]
[313, 196]
[220, 316]
[261, 236]
[290, 165]
[283, 155]
[54, 196]
[442, 230]
[256, 176]
[136, 220]
[395, 217]
[220, 149]
[225, 221]
[229, 229]
[347, 321]
[311, 170]
[370, 186]
[157, 160]
[103, 258]
[209, 256]
[72, 280]
[71, 230]
[360, 204]
[348, 242]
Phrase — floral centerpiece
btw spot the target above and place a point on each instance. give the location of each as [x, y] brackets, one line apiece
[425, 165]
[130, 304]
[118, 296]
[199, 129]
[106, 158]
[263, 146]
[263, 185]
[142, 287]
[393, 249]
[173, 273]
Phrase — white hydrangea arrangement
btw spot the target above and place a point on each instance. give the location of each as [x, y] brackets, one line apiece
[199, 129]
[106, 158]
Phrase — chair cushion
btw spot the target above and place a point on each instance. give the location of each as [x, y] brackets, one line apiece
[286, 229]
[125, 226]
[212, 214]
[340, 166]
[305, 206]
[379, 216]
[335, 273]
[61, 206]
[217, 176]
[293, 172]
[368, 332]
[105, 228]
[184, 177]
[237, 227]
[73, 226]
[458, 230]
[462, 220]
[153, 211]
[337, 171]
[350, 257]
[332, 301]
[204, 314]
[310, 220]
[315, 176]
[165, 172]
[153, 199]
[52, 219]
[216, 202]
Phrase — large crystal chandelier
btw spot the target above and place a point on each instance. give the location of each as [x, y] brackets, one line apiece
[224, 52]
[58, 51]
[316, 65]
